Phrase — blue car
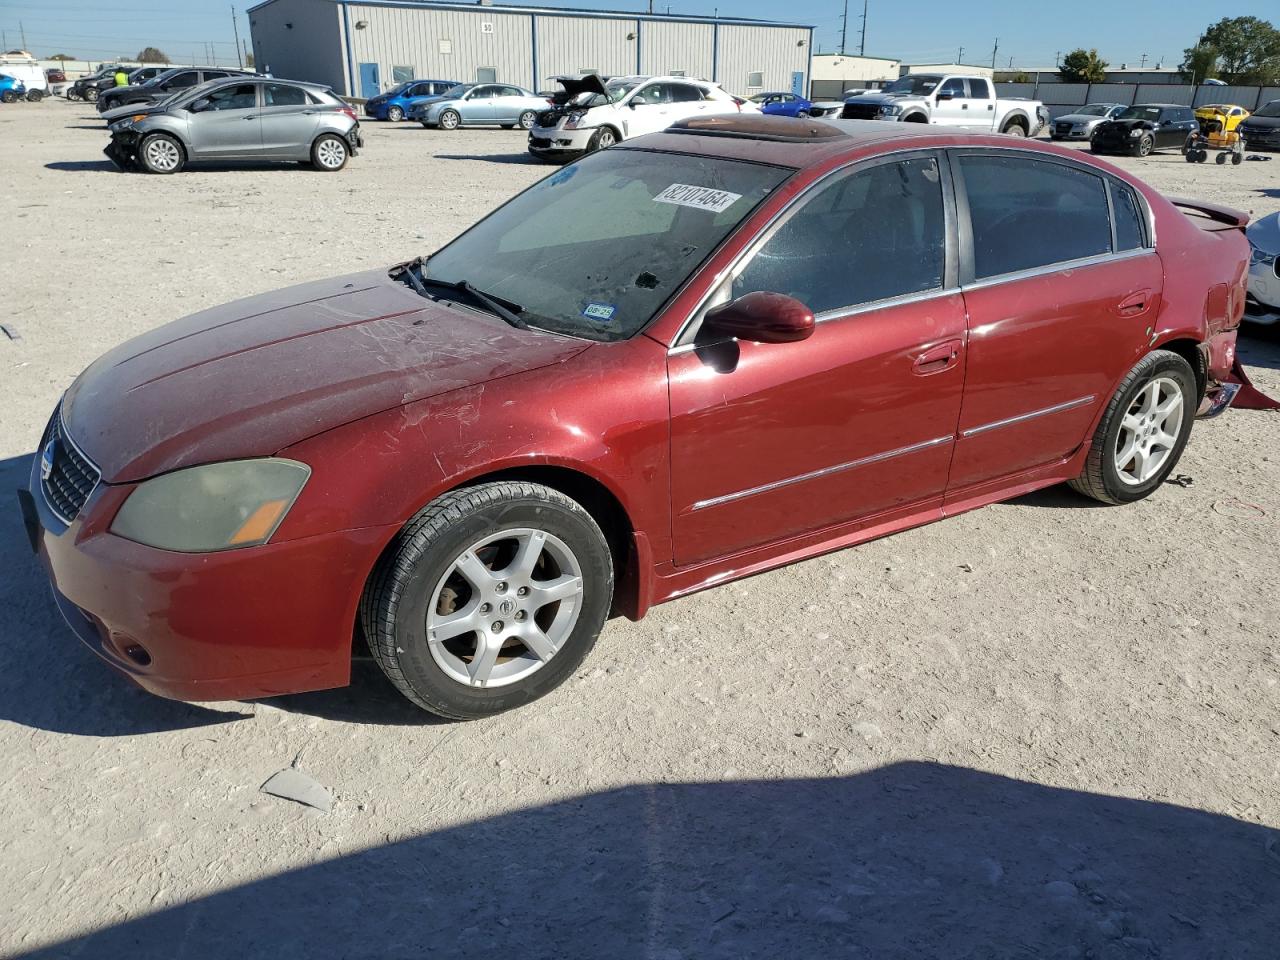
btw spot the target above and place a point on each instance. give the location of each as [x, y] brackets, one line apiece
[11, 88]
[394, 104]
[782, 104]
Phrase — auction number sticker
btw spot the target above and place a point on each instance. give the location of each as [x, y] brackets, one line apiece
[701, 198]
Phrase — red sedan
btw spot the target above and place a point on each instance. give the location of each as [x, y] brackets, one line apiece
[687, 359]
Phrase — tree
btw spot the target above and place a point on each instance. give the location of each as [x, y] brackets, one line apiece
[1200, 63]
[62, 57]
[151, 55]
[1021, 77]
[1248, 50]
[1083, 66]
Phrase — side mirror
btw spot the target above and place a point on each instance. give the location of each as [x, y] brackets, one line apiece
[636, 102]
[198, 105]
[945, 96]
[762, 317]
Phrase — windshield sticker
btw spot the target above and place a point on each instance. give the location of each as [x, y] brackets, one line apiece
[600, 311]
[701, 198]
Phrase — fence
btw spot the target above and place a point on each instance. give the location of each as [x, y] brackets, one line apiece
[1062, 98]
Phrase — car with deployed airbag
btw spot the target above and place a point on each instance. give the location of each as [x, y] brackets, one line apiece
[470, 460]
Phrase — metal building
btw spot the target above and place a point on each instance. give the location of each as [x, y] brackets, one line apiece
[363, 47]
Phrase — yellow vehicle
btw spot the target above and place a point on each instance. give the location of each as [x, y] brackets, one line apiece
[1218, 123]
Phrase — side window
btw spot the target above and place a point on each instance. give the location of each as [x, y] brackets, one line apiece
[242, 96]
[684, 92]
[181, 80]
[511, 92]
[1030, 213]
[215, 74]
[481, 93]
[979, 89]
[655, 93]
[1130, 233]
[871, 235]
[282, 95]
[953, 87]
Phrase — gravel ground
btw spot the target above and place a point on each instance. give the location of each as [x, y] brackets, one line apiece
[1041, 729]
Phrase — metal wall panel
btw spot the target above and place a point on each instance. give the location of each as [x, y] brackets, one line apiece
[310, 49]
[1267, 95]
[1112, 93]
[570, 45]
[668, 47]
[444, 44]
[775, 52]
[1248, 97]
[1163, 93]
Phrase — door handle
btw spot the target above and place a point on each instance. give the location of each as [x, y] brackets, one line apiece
[964, 106]
[1134, 305]
[936, 359]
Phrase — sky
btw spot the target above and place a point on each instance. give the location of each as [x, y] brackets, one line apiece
[1030, 34]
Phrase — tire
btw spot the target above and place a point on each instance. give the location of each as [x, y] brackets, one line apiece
[1220, 159]
[8, 96]
[1144, 146]
[161, 153]
[1105, 478]
[35, 96]
[395, 114]
[330, 153]
[420, 574]
[72, 94]
[1237, 158]
[527, 119]
[449, 120]
[1014, 128]
[802, 114]
[91, 94]
[602, 139]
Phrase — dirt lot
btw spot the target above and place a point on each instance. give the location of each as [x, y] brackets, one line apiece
[1042, 729]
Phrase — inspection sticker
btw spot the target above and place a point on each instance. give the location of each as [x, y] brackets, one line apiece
[600, 311]
[702, 198]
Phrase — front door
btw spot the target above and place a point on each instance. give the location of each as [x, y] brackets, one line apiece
[289, 121]
[772, 441]
[647, 110]
[1056, 316]
[479, 106]
[370, 82]
[230, 125]
[952, 102]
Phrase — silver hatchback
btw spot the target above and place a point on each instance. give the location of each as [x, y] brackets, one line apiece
[236, 118]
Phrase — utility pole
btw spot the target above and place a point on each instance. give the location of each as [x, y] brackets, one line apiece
[236, 29]
[960, 56]
[844, 26]
[1057, 58]
[862, 45]
[994, 50]
[23, 31]
[1011, 63]
[1142, 62]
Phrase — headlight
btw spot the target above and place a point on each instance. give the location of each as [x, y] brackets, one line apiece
[890, 110]
[575, 117]
[218, 506]
[1136, 133]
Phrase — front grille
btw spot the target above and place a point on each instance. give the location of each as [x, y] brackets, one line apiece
[72, 476]
[860, 111]
[542, 142]
[548, 118]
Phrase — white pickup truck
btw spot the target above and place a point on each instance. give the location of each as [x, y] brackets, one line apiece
[949, 101]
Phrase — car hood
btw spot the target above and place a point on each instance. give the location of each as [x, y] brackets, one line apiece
[424, 101]
[572, 86]
[1264, 234]
[249, 378]
[1080, 118]
[880, 98]
[1256, 122]
[1118, 125]
[130, 110]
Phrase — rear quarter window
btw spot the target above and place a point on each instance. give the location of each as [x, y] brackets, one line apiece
[1131, 234]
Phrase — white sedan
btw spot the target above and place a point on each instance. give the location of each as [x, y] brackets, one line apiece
[1263, 303]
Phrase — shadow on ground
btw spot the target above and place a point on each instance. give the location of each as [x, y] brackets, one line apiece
[914, 860]
[522, 159]
[81, 166]
[1259, 345]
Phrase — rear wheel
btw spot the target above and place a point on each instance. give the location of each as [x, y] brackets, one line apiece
[1014, 128]
[160, 153]
[527, 119]
[1143, 432]
[395, 114]
[91, 94]
[450, 119]
[490, 598]
[35, 96]
[329, 153]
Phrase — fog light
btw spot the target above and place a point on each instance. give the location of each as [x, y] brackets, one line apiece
[138, 654]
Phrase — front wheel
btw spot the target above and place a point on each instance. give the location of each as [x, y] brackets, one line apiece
[395, 114]
[160, 153]
[489, 598]
[1144, 147]
[449, 120]
[602, 139]
[8, 96]
[329, 153]
[1143, 432]
[91, 94]
[528, 119]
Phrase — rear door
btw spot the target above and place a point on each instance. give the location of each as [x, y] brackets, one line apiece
[1060, 301]
[773, 441]
[981, 105]
[508, 104]
[687, 100]
[231, 124]
[1176, 124]
[289, 121]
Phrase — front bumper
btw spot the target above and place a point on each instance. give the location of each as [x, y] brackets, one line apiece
[558, 143]
[1254, 139]
[234, 625]
[122, 150]
[1262, 305]
[1069, 131]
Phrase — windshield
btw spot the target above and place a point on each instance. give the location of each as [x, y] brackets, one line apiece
[398, 89]
[1140, 113]
[920, 84]
[596, 249]
[617, 89]
[456, 91]
[1272, 109]
[1093, 110]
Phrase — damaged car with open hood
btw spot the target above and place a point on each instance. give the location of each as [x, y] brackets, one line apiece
[591, 113]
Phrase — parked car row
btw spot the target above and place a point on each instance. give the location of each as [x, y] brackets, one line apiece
[236, 117]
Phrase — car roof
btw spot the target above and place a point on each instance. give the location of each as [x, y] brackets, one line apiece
[796, 143]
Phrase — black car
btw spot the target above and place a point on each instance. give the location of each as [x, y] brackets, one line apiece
[1262, 130]
[160, 86]
[86, 88]
[1145, 127]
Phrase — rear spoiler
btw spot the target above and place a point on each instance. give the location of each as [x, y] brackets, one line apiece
[1227, 216]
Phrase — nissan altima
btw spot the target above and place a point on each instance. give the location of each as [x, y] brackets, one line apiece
[693, 357]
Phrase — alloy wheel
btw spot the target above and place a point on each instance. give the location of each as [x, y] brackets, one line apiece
[528, 119]
[607, 139]
[163, 155]
[504, 607]
[331, 154]
[1149, 431]
[395, 114]
[449, 120]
